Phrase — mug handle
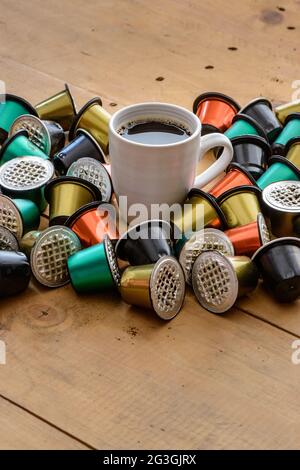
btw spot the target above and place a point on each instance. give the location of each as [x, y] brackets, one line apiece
[208, 142]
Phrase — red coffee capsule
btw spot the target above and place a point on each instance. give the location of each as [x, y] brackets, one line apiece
[248, 238]
[236, 176]
[215, 111]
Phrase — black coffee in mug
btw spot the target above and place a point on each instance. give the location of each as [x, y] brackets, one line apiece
[154, 132]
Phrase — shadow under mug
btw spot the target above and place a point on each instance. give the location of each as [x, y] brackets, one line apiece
[161, 174]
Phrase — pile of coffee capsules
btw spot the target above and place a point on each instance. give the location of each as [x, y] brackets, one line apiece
[54, 160]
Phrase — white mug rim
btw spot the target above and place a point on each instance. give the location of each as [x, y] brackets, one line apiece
[195, 134]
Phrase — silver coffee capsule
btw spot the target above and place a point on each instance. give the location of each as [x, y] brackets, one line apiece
[8, 240]
[207, 239]
[282, 202]
[46, 135]
[50, 253]
[219, 280]
[93, 171]
[25, 178]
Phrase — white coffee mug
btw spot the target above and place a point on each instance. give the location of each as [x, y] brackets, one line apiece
[162, 174]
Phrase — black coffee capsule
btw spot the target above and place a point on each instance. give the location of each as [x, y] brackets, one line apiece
[14, 273]
[261, 110]
[252, 153]
[279, 264]
[145, 243]
[83, 145]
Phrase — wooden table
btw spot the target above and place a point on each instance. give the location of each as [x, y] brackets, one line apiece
[89, 371]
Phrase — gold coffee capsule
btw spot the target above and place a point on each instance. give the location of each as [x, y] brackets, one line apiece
[240, 205]
[218, 280]
[207, 239]
[284, 110]
[59, 108]
[94, 119]
[292, 150]
[159, 286]
[200, 210]
[66, 195]
[282, 203]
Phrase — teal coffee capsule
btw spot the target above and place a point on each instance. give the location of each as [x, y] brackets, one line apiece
[48, 136]
[291, 130]
[49, 255]
[25, 178]
[95, 268]
[19, 145]
[11, 107]
[242, 124]
[280, 169]
[18, 215]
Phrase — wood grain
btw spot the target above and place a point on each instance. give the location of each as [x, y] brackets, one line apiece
[20, 430]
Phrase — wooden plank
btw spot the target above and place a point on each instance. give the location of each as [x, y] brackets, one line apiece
[20, 430]
[119, 49]
[110, 374]
[114, 376]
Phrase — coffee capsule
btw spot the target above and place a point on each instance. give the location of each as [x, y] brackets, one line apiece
[252, 153]
[246, 239]
[8, 241]
[218, 280]
[28, 241]
[93, 221]
[49, 255]
[292, 151]
[242, 124]
[82, 146]
[280, 169]
[91, 170]
[25, 178]
[261, 110]
[236, 175]
[19, 145]
[200, 210]
[291, 130]
[282, 204]
[215, 111]
[95, 268]
[59, 108]
[284, 110]
[240, 205]
[66, 195]
[145, 243]
[11, 107]
[48, 136]
[159, 286]
[207, 239]
[94, 119]
[18, 215]
[279, 264]
[15, 273]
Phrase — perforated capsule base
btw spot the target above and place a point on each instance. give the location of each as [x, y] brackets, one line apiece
[91, 170]
[284, 196]
[37, 132]
[50, 253]
[7, 240]
[207, 239]
[264, 233]
[25, 173]
[167, 287]
[215, 283]
[10, 216]
[112, 261]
